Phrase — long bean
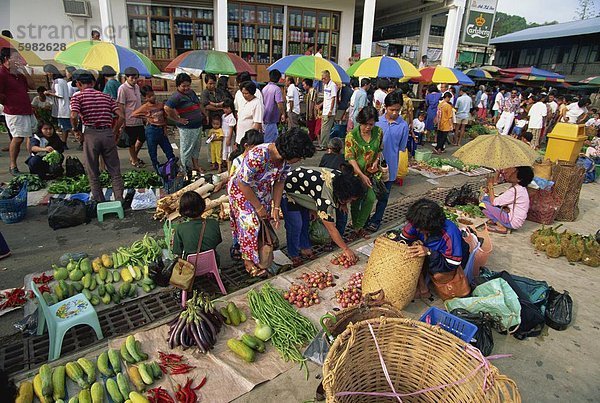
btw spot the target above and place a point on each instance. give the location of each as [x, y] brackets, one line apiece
[290, 328]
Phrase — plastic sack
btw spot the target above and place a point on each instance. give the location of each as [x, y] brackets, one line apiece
[495, 297]
[74, 167]
[559, 310]
[317, 349]
[402, 164]
[76, 256]
[28, 325]
[318, 234]
[63, 213]
[143, 199]
[483, 339]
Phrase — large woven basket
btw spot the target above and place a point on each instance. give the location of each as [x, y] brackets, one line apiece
[568, 179]
[424, 363]
[373, 306]
[390, 268]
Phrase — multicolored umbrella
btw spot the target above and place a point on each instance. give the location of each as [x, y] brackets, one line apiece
[591, 80]
[525, 77]
[197, 62]
[383, 66]
[309, 67]
[478, 74]
[439, 74]
[491, 69]
[25, 56]
[95, 54]
[496, 151]
[530, 71]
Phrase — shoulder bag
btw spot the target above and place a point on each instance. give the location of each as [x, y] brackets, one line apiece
[267, 243]
[184, 272]
[453, 284]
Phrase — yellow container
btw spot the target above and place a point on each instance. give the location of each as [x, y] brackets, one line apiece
[565, 142]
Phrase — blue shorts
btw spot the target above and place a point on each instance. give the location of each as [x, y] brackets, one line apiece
[271, 132]
[65, 124]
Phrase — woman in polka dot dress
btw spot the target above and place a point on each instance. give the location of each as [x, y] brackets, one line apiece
[316, 193]
[260, 181]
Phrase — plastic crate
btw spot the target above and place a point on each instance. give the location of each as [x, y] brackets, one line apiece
[14, 210]
[460, 328]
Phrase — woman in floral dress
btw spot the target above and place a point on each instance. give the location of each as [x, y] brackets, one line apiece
[364, 145]
[257, 183]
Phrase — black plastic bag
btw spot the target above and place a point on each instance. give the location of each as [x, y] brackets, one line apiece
[55, 171]
[74, 167]
[484, 340]
[160, 273]
[124, 141]
[379, 188]
[559, 311]
[461, 196]
[64, 213]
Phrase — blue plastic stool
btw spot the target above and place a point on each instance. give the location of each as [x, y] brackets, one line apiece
[108, 208]
[62, 316]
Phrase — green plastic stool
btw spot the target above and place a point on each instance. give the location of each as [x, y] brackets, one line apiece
[108, 208]
[62, 316]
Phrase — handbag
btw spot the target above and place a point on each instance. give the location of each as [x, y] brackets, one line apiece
[267, 243]
[379, 188]
[448, 285]
[184, 272]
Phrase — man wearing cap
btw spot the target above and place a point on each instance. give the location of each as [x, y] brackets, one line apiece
[129, 99]
[111, 87]
[14, 83]
[61, 96]
[96, 110]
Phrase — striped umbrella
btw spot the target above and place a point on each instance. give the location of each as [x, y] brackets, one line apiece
[478, 74]
[525, 77]
[95, 54]
[383, 66]
[309, 67]
[439, 74]
[491, 69]
[591, 80]
[209, 61]
[25, 56]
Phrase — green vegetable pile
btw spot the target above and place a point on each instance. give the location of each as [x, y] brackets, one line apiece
[79, 184]
[455, 163]
[450, 215]
[132, 180]
[33, 182]
[476, 130]
[52, 158]
[471, 210]
[290, 328]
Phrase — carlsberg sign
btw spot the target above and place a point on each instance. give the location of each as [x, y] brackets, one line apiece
[479, 22]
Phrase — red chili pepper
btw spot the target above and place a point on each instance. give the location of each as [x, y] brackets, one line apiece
[15, 297]
[201, 384]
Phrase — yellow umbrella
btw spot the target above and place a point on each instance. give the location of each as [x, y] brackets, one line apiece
[496, 151]
[28, 57]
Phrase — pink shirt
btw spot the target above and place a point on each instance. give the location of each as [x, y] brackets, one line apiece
[132, 99]
[518, 206]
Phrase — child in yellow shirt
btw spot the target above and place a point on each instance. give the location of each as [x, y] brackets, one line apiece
[215, 139]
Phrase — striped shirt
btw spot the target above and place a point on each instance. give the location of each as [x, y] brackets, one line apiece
[95, 108]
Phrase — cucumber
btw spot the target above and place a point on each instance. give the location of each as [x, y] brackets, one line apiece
[242, 350]
[254, 342]
[234, 314]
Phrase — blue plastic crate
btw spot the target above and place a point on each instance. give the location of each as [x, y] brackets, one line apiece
[460, 328]
[14, 210]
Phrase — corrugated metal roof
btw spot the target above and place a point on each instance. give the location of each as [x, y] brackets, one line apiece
[580, 27]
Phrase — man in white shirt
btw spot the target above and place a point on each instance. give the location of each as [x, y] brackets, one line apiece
[464, 104]
[537, 115]
[329, 107]
[380, 93]
[423, 62]
[498, 100]
[293, 102]
[552, 103]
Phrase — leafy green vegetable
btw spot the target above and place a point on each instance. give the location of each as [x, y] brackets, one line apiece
[52, 158]
[471, 210]
[132, 180]
[451, 215]
[79, 184]
[33, 182]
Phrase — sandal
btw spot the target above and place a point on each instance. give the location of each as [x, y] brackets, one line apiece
[498, 230]
[308, 256]
[235, 253]
[253, 270]
[296, 261]
[371, 227]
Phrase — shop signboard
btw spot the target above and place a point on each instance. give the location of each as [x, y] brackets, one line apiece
[479, 22]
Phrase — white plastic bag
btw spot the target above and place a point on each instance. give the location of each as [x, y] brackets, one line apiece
[143, 199]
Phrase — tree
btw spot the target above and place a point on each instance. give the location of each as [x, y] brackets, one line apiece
[586, 9]
[506, 24]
